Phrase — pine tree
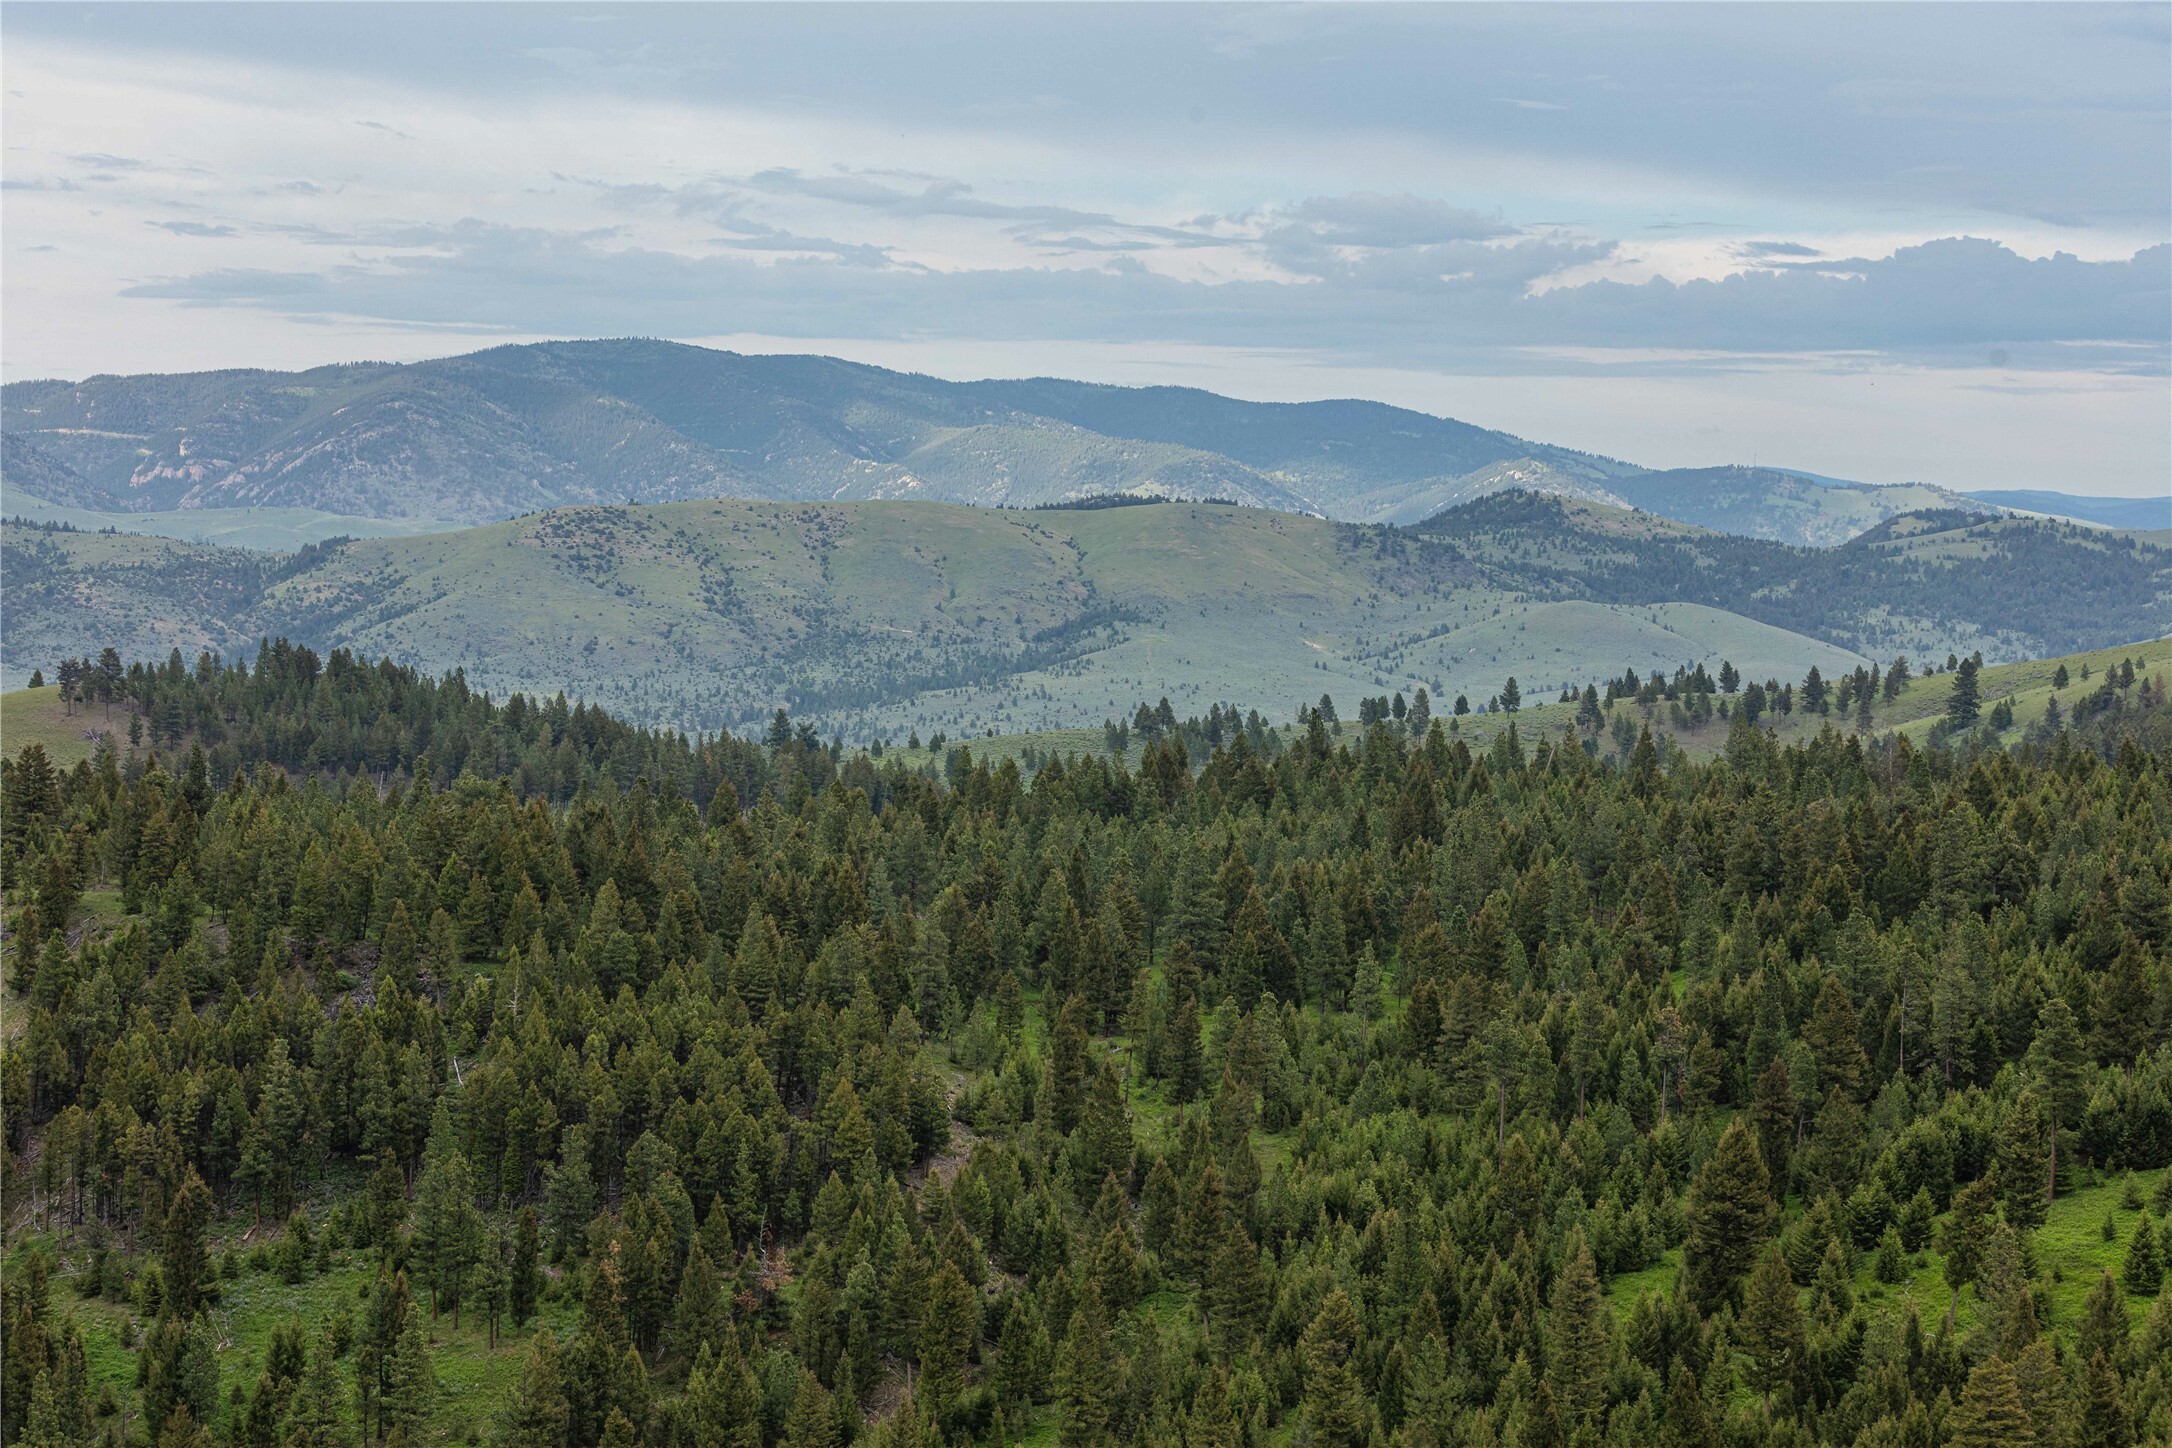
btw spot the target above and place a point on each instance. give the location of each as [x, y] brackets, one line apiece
[1068, 1066]
[1085, 1378]
[812, 1422]
[1186, 1059]
[184, 1264]
[2142, 1274]
[1990, 1413]
[1576, 1350]
[1834, 1041]
[1237, 1293]
[949, 1325]
[448, 1230]
[2105, 1420]
[2060, 1059]
[569, 1193]
[2103, 1327]
[525, 1288]
[1335, 1403]
[1728, 1215]
[2023, 1155]
[1772, 1114]
[410, 1394]
[1771, 1328]
[536, 1416]
[1964, 703]
[1975, 1207]
[318, 1418]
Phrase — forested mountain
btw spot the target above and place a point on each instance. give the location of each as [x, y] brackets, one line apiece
[872, 619]
[1892, 588]
[391, 1065]
[514, 429]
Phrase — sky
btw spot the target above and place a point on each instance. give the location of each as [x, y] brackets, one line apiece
[1894, 243]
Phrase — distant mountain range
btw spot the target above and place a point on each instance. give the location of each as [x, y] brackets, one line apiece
[514, 430]
[872, 618]
[2141, 513]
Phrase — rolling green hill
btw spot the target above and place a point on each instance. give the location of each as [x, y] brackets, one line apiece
[873, 619]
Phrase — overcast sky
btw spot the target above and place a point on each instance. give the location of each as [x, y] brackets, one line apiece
[1918, 242]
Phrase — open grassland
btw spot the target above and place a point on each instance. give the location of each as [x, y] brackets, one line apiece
[66, 733]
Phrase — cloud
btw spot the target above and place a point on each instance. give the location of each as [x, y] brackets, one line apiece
[1368, 218]
[195, 228]
[1391, 308]
[1767, 250]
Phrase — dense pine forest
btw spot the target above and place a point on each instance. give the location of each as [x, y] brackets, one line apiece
[387, 1064]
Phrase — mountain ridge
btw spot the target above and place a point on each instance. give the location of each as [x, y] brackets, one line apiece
[509, 430]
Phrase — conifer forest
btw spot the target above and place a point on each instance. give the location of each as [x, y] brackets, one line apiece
[385, 1064]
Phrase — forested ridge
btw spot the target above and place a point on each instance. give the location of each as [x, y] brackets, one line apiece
[385, 1063]
[1958, 568]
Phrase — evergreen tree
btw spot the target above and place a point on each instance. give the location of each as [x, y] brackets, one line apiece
[1729, 1211]
[1068, 1067]
[2142, 1273]
[448, 1230]
[1085, 1378]
[1335, 1402]
[1990, 1413]
[2104, 1419]
[184, 1264]
[949, 1325]
[1186, 1058]
[1974, 1209]
[318, 1418]
[1577, 1349]
[1964, 703]
[1771, 1327]
[2060, 1059]
[2023, 1155]
[525, 1288]
[537, 1415]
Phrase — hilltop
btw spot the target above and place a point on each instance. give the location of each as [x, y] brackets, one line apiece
[511, 430]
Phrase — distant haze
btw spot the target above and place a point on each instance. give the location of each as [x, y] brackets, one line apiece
[1882, 242]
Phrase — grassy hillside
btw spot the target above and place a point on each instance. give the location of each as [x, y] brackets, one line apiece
[875, 619]
[67, 734]
[69, 593]
[880, 618]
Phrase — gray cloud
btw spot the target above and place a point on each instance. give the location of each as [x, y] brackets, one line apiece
[195, 228]
[1768, 250]
[1395, 308]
